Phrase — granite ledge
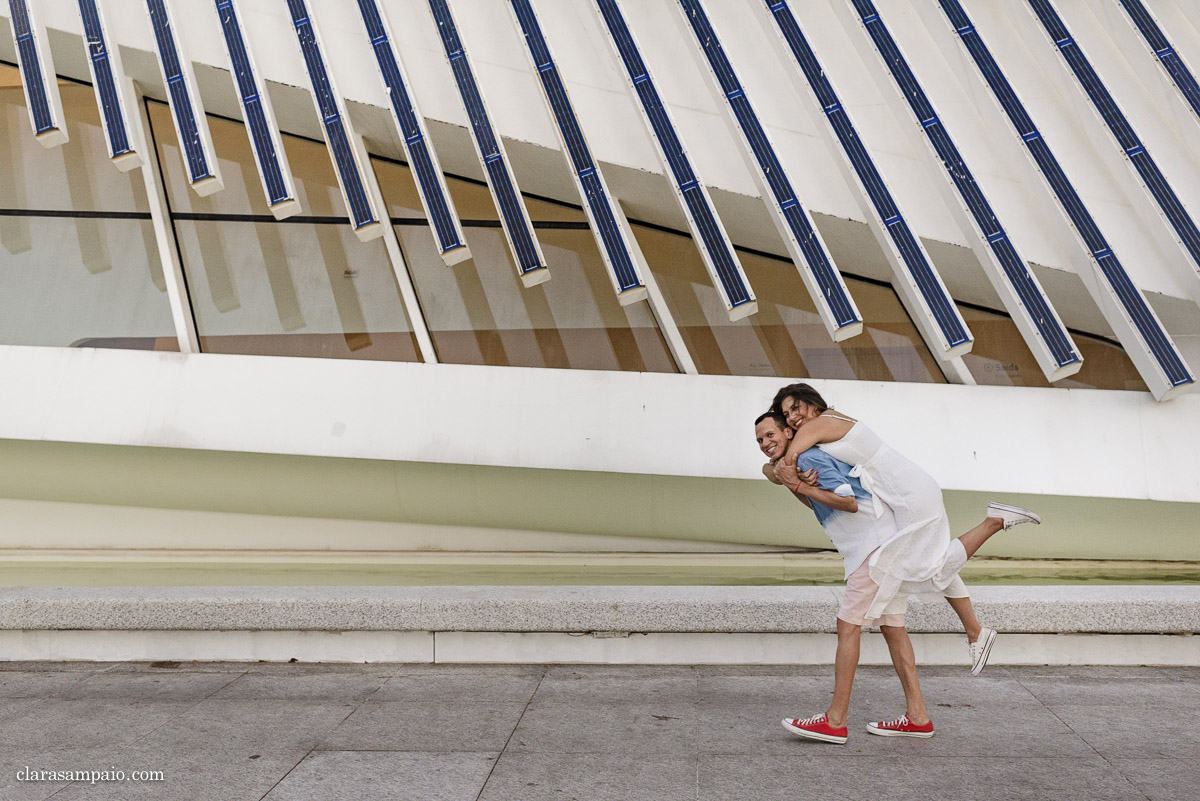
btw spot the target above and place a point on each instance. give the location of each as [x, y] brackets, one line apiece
[1144, 609]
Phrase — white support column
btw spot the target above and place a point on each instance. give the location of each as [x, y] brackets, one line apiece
[408, 292]
[654, 297]
[164, 230]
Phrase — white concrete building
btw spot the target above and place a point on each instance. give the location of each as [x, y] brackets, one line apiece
[279, 345]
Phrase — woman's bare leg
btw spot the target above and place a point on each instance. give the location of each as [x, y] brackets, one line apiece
[905, 662]
[973, 539]
[844, 666]
[966, 613]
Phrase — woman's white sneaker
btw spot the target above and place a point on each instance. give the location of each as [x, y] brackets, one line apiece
[981, 649]
[1012, 515]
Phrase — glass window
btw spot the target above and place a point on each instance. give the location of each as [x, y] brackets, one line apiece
[1001, 357]
[478, 312]
[786, 337]
[301, 287]
[313, 176]
[78, 257]
[293, 290]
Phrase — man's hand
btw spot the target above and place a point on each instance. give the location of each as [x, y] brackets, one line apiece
[785, 472]
[787, 475]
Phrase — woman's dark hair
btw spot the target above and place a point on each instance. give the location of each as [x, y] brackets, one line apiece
[801, 393]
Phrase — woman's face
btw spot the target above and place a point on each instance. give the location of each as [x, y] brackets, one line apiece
[797, 412]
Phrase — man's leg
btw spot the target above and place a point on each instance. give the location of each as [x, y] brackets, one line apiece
[905, 662]
[844, 666]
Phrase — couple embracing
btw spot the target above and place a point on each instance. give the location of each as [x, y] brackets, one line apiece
[886, 517]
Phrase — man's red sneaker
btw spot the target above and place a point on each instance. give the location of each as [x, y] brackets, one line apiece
[816, 728]
[901, 727]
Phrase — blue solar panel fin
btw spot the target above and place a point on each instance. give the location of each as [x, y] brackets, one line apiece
[37, 75]
[614, 241]
[340, 138]
[514, 217]
[1170, 59]
[1012, 278]
[109, 82]
[804, 243]
[707, 230]
[1137, 326]
[916, 279]
[423, 161]
[269, 156]
[191, 126]
[1175, 215]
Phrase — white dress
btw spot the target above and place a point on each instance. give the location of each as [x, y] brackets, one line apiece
[918, 557]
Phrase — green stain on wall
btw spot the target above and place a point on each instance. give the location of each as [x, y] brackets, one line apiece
[621, 504]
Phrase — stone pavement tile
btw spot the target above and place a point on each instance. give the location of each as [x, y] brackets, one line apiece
[1162, 779]
[761, 690]
[616, 726]
[1089, 672]
[386, 776]
[40, 666]
[909, 778]
[1146, 690]
[994, 692]
[476, 686]
[780, 671]
[190, 774]
[146, 686]
[352, 686]
[40, 683]
[312, 668]
[258, 724]
[880, 689]
[1135, 731]
[182, 667]
[624, 685]
[593, 777]
[86, 723]
[13, 706]
[753, 729]
[428, 669]
[403, 726]
[1189, 674]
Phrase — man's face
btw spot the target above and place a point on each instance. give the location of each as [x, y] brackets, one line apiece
[772, 439]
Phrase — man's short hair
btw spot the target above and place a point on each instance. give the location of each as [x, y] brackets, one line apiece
[779, 419]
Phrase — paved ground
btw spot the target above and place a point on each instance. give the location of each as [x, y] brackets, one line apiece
[227, 732]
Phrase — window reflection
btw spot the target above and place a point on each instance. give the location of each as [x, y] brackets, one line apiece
[1000, 357]
[786, 338]
[314, 178]
[78, 257]
[479, 313]
[291, 288]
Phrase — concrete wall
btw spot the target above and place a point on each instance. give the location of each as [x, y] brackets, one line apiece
[97, 435]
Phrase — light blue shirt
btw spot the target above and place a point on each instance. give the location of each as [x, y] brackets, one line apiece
[834, 476]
